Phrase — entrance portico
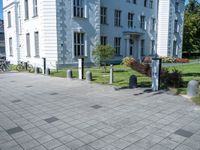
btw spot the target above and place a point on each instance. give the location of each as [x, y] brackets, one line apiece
[132, 44]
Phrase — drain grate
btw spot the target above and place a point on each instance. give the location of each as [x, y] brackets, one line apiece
[16, 101]
[53, 93]
[183, 133]
[28, 86]
[51, 119]
[96, 106]
[14, 130]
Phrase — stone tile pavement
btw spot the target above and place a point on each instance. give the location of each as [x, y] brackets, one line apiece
[39, 113]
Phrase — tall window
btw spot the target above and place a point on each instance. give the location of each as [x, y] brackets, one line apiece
[103, 15]
[78, 8]
[153, 24]
[142, 22]
[151, 4]
[35, 8]
[9, 19]
[10, 46]
[117, 45]
[117, 17]
[175, 26]
[174, 48]
[145, 3]
[142, 47]
[130, 20]
[103, 40]
[28, 48]
[134, 1]
[37, 51]
[26, 9]
[152, 47]
[176, 7]
[79, 46]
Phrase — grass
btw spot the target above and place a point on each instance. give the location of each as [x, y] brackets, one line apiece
[121, 75]
[189, 72]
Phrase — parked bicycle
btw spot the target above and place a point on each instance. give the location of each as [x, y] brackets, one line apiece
[5, 65]
[24, 66]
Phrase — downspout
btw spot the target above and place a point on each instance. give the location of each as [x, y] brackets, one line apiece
[17, 30]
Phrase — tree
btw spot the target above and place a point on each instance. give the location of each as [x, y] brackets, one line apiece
[191, 38]
[102, 54]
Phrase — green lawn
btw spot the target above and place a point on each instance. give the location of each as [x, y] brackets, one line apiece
[122, 74]
[190, 72]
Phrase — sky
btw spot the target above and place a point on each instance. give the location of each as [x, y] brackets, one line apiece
[1, 16]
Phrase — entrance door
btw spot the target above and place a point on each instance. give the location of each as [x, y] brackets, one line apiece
[131, 49]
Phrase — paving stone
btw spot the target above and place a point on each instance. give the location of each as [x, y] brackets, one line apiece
[183, 133]
[51, 119]
[14, 130]
[98, 144]
[110, 147]
[66, 139]
[184, 147]
[44, 139]
[134, 147]
[88, 139]
[121, 144]
[75, 144]
[30, 144]
[52, 144]
[109, 139]
[63, 147]
[40, 147]
[169, 144]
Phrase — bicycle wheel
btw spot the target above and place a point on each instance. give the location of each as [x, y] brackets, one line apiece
[20, 68]
[8, 67]
[2, 68]
[30, 68]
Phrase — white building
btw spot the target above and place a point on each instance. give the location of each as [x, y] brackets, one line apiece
[62, 30]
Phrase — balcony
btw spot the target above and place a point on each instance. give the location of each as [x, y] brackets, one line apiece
[136, 30]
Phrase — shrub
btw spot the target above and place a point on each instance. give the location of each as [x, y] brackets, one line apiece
[171, 79]
[168, 59]
[147, 59]
[182, 60]
[128, 61]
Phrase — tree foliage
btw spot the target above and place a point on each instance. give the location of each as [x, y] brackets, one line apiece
[103, 53]
[191, 39]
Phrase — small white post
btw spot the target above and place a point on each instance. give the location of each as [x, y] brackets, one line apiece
[111, 74]
[80, 68]
[156, 67]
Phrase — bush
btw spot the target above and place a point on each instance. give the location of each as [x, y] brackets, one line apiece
[168, 59]
[147, 59]
[128, 61]
[171, 79]
[182, 60]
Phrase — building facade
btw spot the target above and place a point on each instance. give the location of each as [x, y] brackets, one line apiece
[63, 30]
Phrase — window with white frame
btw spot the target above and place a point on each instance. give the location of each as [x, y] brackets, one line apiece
[103, 40]
[142, 22]
[174, 48]
[153, 24]
[28, 47]
[103, 15]
[9, 19]
[130, 20]
[145, 3]
[132, 1]
[151, 4]
[175, 26]
[176, 7]
[35, 8]
[152, 47]
[78, 6]
[10, 46]
[117, 45]
[117, 18]
[79, 44]
[142, 47]
[37, 51]
[26, 9]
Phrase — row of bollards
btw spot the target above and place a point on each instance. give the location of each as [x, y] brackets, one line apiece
[38, 70]
[88, 75]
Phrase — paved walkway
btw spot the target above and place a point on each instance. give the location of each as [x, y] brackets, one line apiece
[39, 113]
